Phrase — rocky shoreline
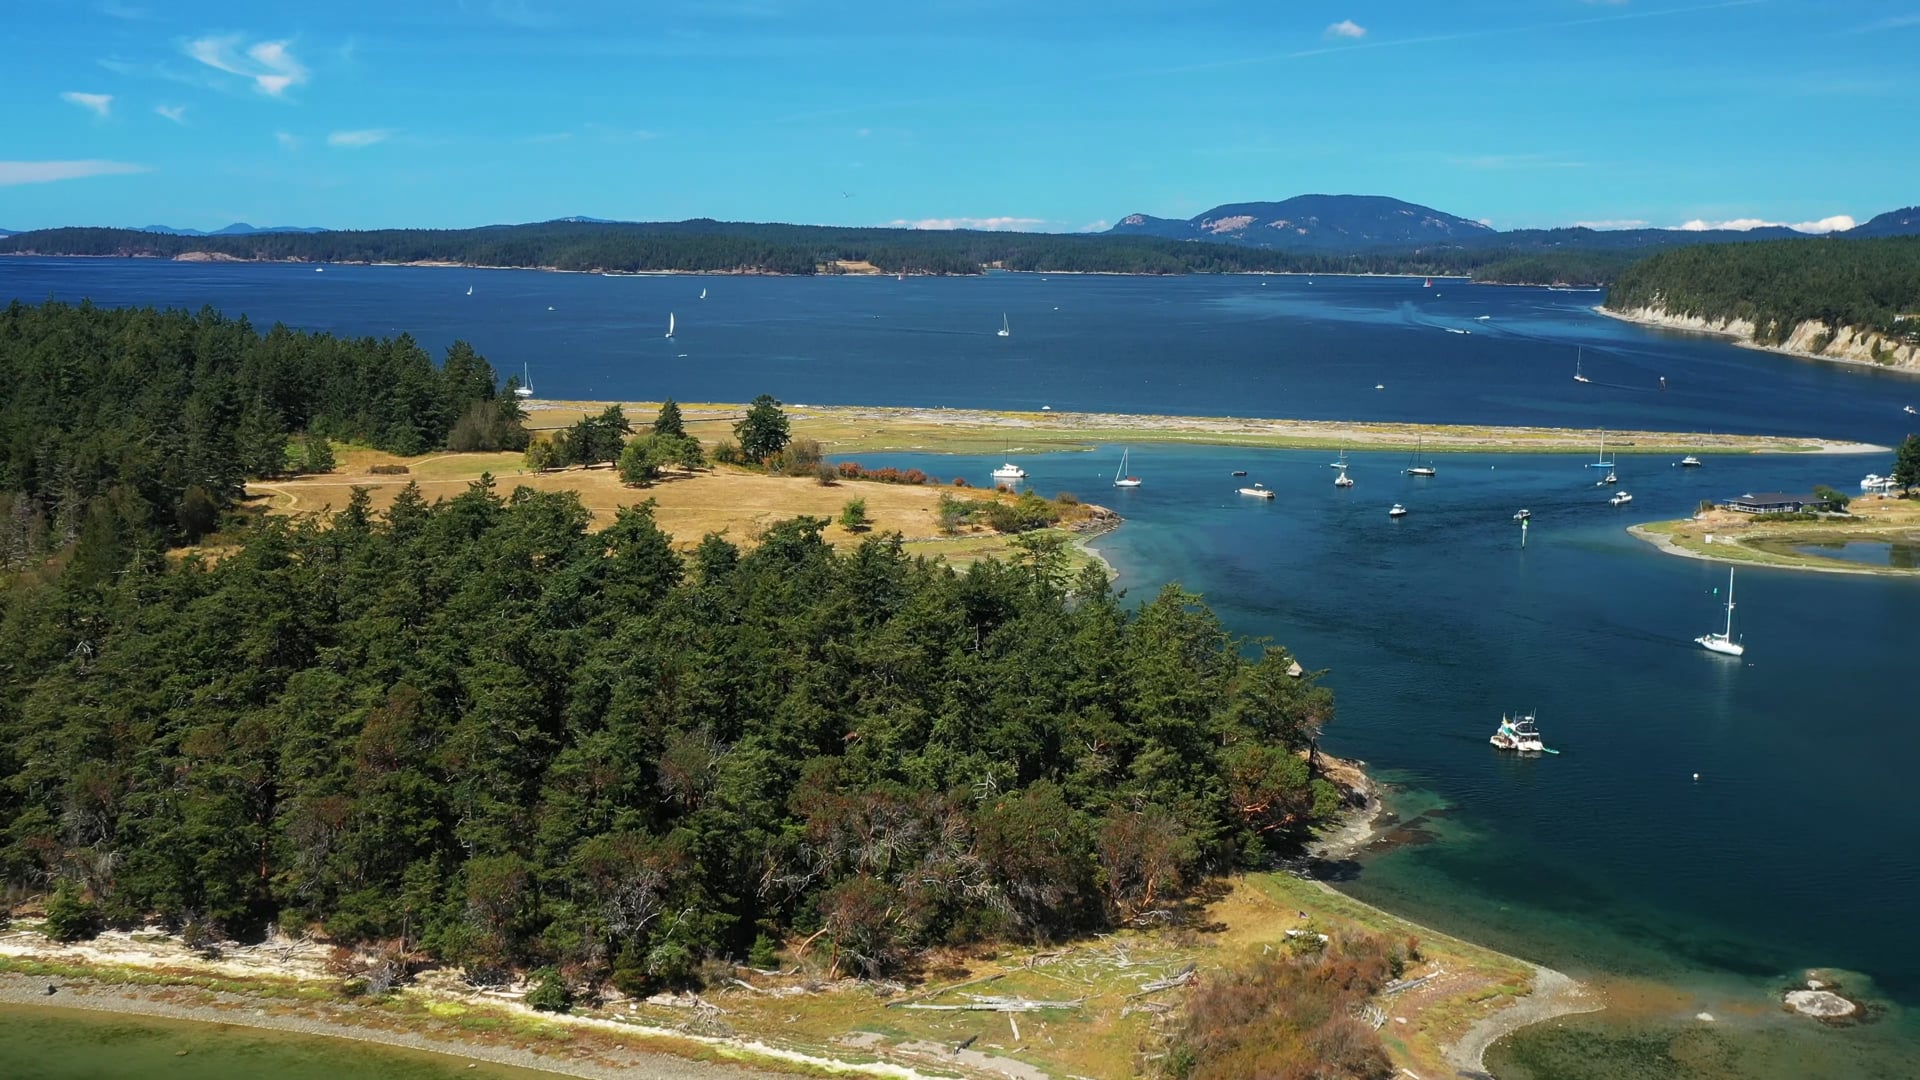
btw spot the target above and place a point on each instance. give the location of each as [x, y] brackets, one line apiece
[1845, 339]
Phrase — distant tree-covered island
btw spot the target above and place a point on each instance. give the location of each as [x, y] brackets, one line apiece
[703, 246]
[1779, 285]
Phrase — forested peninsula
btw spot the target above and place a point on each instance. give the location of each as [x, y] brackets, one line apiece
[478, 731]
[1841, 299]
[704, 246]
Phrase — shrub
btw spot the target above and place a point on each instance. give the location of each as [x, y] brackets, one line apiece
[70, 916]
[726, 453]
[316, 455]
[960, 482]
[550, 992]
[853, 516]
[826, 474]
[389, 470]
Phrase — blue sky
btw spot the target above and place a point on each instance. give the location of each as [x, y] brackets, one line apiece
[1043, 114]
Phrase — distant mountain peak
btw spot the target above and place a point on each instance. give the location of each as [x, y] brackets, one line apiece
[1345, 222]
[1902, 222]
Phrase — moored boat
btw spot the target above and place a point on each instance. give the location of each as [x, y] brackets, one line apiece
[1519, 734]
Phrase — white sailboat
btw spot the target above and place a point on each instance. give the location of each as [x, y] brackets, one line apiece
[669, 325]
[1120, 477]
[1577, 376]
[1006, 330]
[1602, 463]
[1722, 642]
[469, 290]
[703, 294]
[1414, 468]
[1342, 463]
[1343, 480]
[525, 389]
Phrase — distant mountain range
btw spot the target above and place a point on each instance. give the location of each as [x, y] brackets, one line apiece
[1362, 223]
[1902, 222]
[238, 228]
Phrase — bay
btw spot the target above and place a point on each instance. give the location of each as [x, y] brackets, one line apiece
[1795, 847]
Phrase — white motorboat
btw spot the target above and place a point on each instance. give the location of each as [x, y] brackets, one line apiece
[1522, 514]
[1009, 471]
[1908, 410]
[1397, 511]
[1120, 477]
[1519, 734]
[1258, 491]
[1876, 482]
[1343, 480]
[1620, 498]
[1689, 462]
[1722, 641]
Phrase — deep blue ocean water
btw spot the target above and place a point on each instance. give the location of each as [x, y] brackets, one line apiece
[1799, 846]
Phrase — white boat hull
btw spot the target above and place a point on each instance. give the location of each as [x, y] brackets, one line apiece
[1719, 644]
[1258, 493]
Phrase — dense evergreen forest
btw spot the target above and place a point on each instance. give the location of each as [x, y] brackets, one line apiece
[479, 730]
[715, 246]
[1778, 284]
[129, 423]
[478, 726]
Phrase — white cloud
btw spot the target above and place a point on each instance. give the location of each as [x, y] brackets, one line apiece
[40, 172]
[1097, 226]
[1734, 224]
[175, 113]
[998, 224]
[287, 140]
[101, 104]
[353, 140]
[1836, 223]
[1346, 28]
[268, 63]
[1612, 223]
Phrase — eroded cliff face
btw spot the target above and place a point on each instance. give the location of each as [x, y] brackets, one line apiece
[1810, 338]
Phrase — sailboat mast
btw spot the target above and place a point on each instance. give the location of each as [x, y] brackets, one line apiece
[1729, 603]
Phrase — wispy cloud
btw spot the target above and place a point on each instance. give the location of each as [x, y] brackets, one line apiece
[175, 113]
[1836, 223]
[269, 64]
[41, 172]
[99, 104]
[1097, 226]
[287, 140]
[1612, 223]
[995, 224]
[353, 140]
[1346, 28]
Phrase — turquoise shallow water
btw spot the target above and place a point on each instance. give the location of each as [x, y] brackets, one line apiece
[1793, 849]
[70, 1044]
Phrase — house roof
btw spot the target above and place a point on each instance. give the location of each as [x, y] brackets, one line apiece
[1771, 497]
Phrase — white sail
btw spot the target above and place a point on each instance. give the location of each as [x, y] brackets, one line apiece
[669, 324]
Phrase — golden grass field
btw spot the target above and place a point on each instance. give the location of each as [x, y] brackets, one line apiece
[735, 503]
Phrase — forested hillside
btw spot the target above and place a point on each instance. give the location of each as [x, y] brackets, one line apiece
[715, 246]
[1776, 285]
[480, 727]
[132, 423]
